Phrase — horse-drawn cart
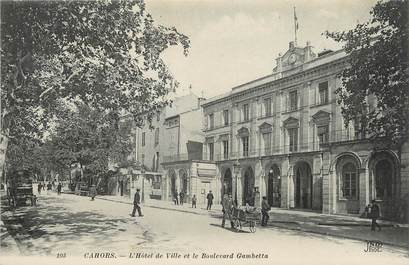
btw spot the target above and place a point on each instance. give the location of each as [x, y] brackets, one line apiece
[243, 217]
[20, 188]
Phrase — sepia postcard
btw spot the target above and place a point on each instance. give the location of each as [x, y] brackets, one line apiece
[204, 132]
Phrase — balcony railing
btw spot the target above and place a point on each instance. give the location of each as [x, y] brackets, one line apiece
[310, 146]
[215, 127]
[183, 157]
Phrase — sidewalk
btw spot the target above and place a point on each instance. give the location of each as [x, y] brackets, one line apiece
[350, 227]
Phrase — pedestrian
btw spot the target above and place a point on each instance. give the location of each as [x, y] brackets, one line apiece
[228, 206]
[136, 202]
[59, 188]
[194, 200]
[182, 197]
[210, 198]
[265, 207]
[43, 185]
[39, 187]
[49, 187]
[375, 214]
[93, 192]
[175, 199]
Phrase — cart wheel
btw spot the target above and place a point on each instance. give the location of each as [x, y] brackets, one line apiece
[238, 224]
[252, 226]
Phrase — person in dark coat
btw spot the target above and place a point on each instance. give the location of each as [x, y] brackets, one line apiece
[136, 202]
[175, 197]
[49, 187]
[39, 187]
[265, 207]
[375, 213]
[182, 197]
[59, 188]
[210, 198]
[194, 200]
[228, 206]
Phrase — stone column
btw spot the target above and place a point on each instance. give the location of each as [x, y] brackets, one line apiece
[258, 179]
[239, 189]
[177, 180]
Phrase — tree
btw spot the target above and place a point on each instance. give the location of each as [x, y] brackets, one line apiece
[102, 53]
[88, 137]
[375, 89]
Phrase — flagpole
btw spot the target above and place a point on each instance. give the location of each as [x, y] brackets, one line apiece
[295, 28]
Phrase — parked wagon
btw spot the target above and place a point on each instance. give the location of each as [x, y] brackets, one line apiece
[20, 188]
[245, 217]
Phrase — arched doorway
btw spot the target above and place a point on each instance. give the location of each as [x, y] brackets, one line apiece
[302, 185]
[172, 178]
[274, 186]
[384, 174]
[184, 183]
[248, 187]
[383, 168]
[227, 187]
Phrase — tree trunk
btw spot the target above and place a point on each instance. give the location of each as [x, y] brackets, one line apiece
[4, 142]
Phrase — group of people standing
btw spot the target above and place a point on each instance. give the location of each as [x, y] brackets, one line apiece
[50, 186]
[179, 198]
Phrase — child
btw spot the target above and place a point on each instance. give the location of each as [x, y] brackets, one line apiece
[194, 199]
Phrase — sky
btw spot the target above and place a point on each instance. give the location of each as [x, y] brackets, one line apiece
[236, 41]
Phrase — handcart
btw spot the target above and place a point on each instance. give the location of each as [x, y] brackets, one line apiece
[242, 217]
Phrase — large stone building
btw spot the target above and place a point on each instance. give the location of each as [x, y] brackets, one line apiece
[170, 150]
[283, 136]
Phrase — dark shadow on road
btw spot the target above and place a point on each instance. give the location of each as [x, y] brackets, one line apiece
[235, 230]
[51, 222]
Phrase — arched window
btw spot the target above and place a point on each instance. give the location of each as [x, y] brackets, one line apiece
[349, 181]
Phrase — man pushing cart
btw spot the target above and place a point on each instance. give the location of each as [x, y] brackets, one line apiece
[227, 210]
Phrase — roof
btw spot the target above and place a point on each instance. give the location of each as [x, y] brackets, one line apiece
[316, 62]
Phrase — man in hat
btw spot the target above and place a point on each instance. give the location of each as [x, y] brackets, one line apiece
[136, 202]
[375, 213]
[227, 209]
[265, 207]
[209, 200]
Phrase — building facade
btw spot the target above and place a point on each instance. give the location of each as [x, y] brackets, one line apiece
[283, 136]
[171, 150]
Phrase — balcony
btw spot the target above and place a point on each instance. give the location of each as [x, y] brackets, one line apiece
[208, 129]
[182, 157]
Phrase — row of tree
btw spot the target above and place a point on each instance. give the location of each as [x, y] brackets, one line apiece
[69, 70]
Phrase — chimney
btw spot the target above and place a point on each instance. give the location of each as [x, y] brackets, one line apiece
[200, 101]
[308, 53]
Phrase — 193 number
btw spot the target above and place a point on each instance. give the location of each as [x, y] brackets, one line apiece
[61, 255]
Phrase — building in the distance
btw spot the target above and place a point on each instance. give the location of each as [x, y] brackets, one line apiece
[170, 151]
[283, 136]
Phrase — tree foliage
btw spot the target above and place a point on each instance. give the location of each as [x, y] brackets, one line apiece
[106, 54]
[90, 137]
[375, 87]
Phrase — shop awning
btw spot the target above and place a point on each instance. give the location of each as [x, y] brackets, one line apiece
[206, 172]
